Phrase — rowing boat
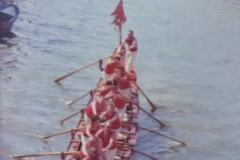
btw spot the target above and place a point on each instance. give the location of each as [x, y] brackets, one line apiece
[127, 137]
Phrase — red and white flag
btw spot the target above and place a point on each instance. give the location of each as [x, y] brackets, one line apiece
[119, 14]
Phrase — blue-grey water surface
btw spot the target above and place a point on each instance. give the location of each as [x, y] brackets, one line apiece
[188, 65]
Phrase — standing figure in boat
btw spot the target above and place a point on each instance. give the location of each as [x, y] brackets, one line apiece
[132, 51]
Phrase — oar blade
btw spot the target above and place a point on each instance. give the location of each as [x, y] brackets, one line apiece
[69, 104]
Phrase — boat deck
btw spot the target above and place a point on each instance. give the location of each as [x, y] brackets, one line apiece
[126, 138]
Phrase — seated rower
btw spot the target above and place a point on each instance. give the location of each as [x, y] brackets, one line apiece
[122, 80]
[118, 100]
[109, 141]
[96, 107]
[109, 68]
[112, 118]
[91, 129]
[106, 88]
[92, 150]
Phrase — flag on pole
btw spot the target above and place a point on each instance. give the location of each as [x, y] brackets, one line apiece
[119, 14]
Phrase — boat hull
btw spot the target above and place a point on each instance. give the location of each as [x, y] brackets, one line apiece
[127, 137]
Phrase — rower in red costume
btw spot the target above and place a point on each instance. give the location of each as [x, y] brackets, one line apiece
[123, 81]
[109, 141]
[118, 100]
[96, 107]
[112, 118]
[105, 89]
[109, 68]
[92, 150]
[91, 129]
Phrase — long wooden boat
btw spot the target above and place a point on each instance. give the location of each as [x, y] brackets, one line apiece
[8, 15]
[127, 136]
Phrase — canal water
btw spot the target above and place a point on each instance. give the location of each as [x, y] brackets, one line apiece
[188, 65]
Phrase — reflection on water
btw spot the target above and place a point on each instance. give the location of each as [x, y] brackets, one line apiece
[8, 58]
[8, 35]
[6, 43]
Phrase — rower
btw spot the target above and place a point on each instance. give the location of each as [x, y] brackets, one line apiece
[118, 100]
[108, 141]
[112, 118]
[92, 150]
[122, 81]
[109, 68]
[106, 88]
[91, 129]
[96, 107]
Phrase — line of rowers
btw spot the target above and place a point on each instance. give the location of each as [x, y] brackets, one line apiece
[103, 116]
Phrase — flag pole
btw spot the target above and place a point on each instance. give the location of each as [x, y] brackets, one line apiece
[120, 33]
[119, 18]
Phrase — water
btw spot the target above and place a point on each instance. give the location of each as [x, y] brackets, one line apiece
[188, 50]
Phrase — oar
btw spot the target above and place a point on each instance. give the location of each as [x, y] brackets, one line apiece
[161, 123]
[64, 119]
[149, 101]
[69, 74]
[43, 154]
[75, 100]
[162, 135]
[62, 132]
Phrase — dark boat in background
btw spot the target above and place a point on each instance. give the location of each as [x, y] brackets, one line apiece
[8, 15]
